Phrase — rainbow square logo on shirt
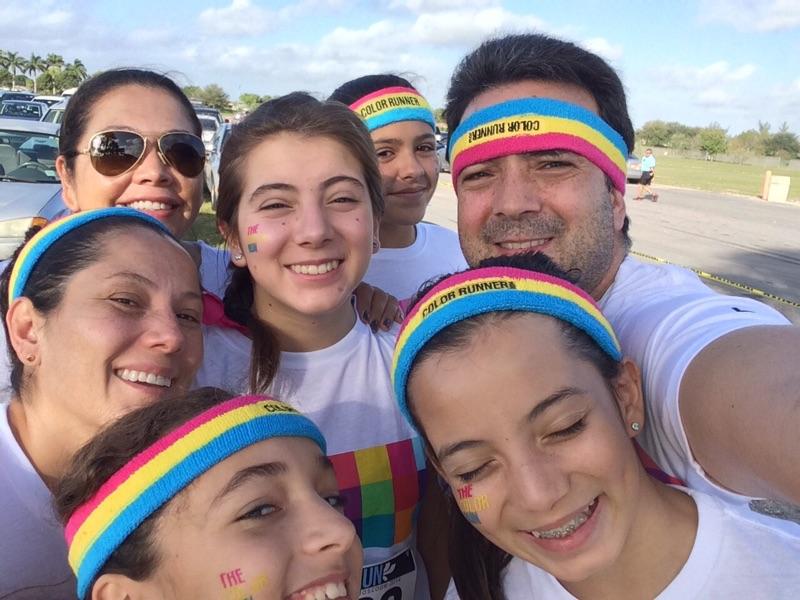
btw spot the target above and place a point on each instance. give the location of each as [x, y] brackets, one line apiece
[382, 487]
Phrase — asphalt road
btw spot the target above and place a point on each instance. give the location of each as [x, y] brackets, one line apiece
[743, 246]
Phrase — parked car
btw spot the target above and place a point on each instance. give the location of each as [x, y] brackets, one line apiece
[9, 95]
[634, 169]
[210, 127]
[48, 100]
[441, 153]
[207, 111]
[212, 161]
[55, 113]
[30, 191]
[22, 109]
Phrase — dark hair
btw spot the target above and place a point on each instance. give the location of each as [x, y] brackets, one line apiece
[301, 114]
[475, 562]
[534, 56]
[110, 450]
[80, 106]
[46, 284]
[355, 89]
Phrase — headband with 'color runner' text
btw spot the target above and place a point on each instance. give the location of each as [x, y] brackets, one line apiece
[493, 289]
[156, 475]
[392, 105]
[534, 125]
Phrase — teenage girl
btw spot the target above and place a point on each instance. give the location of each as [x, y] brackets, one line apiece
[528, 410]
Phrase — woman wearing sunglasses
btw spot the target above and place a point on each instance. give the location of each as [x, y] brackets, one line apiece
[102, 313]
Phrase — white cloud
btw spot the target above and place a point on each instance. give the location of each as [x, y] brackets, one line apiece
[701, 77]
[752, 15]
[419, 6]
[43, 20]
[239, 18]
[468, 28]
[601, 46]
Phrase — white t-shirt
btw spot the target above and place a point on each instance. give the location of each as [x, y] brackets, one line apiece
[33, 553]
[379, 461]
[214, 273]
[732, 557]
[401, 271]
[664, 316]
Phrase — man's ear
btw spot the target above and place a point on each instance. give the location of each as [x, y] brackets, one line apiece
[627, 389]
[67, 184]
[114, 586]
[24, 324]
[618, 208]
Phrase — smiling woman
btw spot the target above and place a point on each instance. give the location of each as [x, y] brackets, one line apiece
[102, 314]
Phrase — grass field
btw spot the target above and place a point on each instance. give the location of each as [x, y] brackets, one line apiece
[205, 227]
[719, 177]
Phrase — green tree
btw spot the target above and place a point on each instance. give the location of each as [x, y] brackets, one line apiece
[250, 101]
[713, 139]
[72, 75]
[654, 133]
[55, 63]
[193, 92]
[783, 144]
[746, 144]
[35, 65]
[683, 141]
[215, 97]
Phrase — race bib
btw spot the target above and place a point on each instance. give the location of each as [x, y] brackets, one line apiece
[394, 579]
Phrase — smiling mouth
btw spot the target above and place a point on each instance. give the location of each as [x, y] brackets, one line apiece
[149, 205]
[526, 245]
[329, 591]
[143, 377]
[320, 269]
[568, 528]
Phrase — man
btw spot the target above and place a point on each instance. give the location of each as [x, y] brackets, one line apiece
[720, 373]
[648, 171]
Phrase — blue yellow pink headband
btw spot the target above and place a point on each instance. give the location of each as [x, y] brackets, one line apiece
[391, 105]
[493, 289]
[156, 475]
[538, 124]
[43, 240]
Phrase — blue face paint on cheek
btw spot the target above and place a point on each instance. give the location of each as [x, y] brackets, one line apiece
[471, 505]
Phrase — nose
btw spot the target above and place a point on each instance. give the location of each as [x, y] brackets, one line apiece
[325, 529]
[152, 167]
[516, 191]
[408, 165]
[163, 332]
[538, 483]
[313, 226]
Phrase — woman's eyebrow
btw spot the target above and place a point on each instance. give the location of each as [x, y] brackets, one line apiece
[271, 469]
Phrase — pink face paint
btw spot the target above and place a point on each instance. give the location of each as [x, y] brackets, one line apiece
[464, 492]
[231, 578]
[470, 506]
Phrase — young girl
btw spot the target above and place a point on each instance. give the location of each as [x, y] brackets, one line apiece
[102, 314]
[208, 496]
[299, 202]
[528, 410]
[402, 127]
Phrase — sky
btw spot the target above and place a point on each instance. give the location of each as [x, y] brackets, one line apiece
[734, 62]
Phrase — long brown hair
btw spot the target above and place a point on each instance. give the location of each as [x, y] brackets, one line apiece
[304, 115]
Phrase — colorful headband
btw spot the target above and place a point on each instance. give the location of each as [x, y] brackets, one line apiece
[536, 124]
[391, 105]
[154, 476]
[492, 289]
[40, 243]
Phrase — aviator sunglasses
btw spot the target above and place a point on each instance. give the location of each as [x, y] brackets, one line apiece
[116, 152]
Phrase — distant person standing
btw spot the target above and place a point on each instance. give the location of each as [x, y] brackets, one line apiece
[648, 171]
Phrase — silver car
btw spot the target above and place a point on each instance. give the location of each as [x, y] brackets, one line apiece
[30, 191]
[212, 161]
[634, 169]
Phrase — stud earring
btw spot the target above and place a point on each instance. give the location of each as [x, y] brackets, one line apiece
[376, 244]
[635, 426]
[238, 256]
[29, 357]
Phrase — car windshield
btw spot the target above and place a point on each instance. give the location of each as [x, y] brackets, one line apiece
[27, 156]
[208, 124]
[21, 110]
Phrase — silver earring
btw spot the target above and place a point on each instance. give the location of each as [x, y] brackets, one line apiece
[635, 426]
[238, 256]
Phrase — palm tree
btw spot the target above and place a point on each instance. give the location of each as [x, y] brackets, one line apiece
[54, 64]
[14, 61]
[35, 65]
[79, 69]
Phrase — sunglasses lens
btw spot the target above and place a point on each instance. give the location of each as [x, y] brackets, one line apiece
[185, 152]
[114, 152]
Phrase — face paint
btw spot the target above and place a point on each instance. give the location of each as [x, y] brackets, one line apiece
[231, 578]
[243, 590]
[253, 237]
[471, 505]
